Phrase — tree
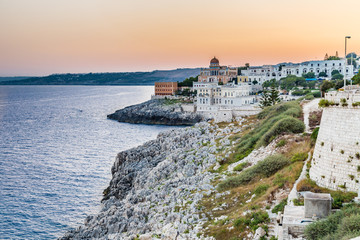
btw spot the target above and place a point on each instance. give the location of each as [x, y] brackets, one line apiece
[334, 72]
[351, 62]
[270, 98]
[337, 76]
[326, 85]
[255, 82]
[274, 96]
[188, 82]
[309, 75]
[339, 84]
[323, 74]
[311, 84]
[356, 78]
[264, 101]
[353, 55]
[270, 83]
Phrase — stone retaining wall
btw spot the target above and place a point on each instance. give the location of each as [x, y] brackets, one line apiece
[336, 163]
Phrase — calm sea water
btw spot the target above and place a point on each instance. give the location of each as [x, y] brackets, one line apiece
[56, 152]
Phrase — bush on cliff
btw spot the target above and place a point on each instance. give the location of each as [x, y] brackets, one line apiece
[265, 168]
[344, 224]
[285, 125]
[274, 120]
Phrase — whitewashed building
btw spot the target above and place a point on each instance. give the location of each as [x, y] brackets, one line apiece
[268, 72]
[222, 101]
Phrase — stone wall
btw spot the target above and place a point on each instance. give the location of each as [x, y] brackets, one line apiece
[336, 163]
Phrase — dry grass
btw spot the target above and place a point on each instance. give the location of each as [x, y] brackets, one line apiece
[236, 201]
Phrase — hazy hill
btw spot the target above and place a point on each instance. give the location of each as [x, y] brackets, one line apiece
[121, 78]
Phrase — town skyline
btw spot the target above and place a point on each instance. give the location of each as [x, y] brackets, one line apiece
[46, 37]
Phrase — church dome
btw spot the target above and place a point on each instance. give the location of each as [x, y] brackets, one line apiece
[214, 61]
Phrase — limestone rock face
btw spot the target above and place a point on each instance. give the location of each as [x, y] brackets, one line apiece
[156, 188]
[156, 111]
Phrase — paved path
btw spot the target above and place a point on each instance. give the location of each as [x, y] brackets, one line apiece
[309, 107]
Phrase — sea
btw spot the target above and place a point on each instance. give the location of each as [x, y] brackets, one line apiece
[56, 152]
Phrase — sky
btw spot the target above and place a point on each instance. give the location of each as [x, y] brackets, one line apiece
[41, 37]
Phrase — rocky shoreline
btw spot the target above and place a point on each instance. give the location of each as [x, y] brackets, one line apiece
[156, 188]
[156, 111]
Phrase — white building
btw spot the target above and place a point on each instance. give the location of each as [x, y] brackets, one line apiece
[214, 100]
[268, 72]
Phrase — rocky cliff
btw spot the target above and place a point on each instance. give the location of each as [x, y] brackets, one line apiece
[155, 188]
[156, 111]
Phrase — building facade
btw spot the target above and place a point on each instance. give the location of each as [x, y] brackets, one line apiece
[216, 73]
[212, 97]
[165, 88]
[267, 72]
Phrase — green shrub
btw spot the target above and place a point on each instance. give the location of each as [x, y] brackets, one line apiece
[298, 202]
[265, 168]
[280, 180]
[343, 102]
[324, 103]
[314, 135]
[269, 117]
[252, 220]
[280, 207]
[317, 94]
[281, 143]
[275, 110]
[241, 166]
[309, 96]
[299, 157]
[285, 125]
[356, 104]
[261, 189]
[343, 224]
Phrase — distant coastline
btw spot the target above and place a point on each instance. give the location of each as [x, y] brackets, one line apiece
[105, 79]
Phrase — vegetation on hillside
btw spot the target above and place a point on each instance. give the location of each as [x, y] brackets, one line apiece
[275, 120]
[342, 225]
[251, 196]
[265, 168]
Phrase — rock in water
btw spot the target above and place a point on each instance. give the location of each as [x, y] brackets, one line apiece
[156, 111]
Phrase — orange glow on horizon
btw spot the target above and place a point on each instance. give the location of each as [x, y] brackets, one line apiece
[41, 37]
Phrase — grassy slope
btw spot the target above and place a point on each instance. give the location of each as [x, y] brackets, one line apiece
[245, 204]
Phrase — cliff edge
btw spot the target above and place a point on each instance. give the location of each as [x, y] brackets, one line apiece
[156, 111]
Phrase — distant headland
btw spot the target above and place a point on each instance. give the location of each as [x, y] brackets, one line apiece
[115, 78]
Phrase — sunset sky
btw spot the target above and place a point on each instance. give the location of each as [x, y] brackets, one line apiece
[41, 37]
